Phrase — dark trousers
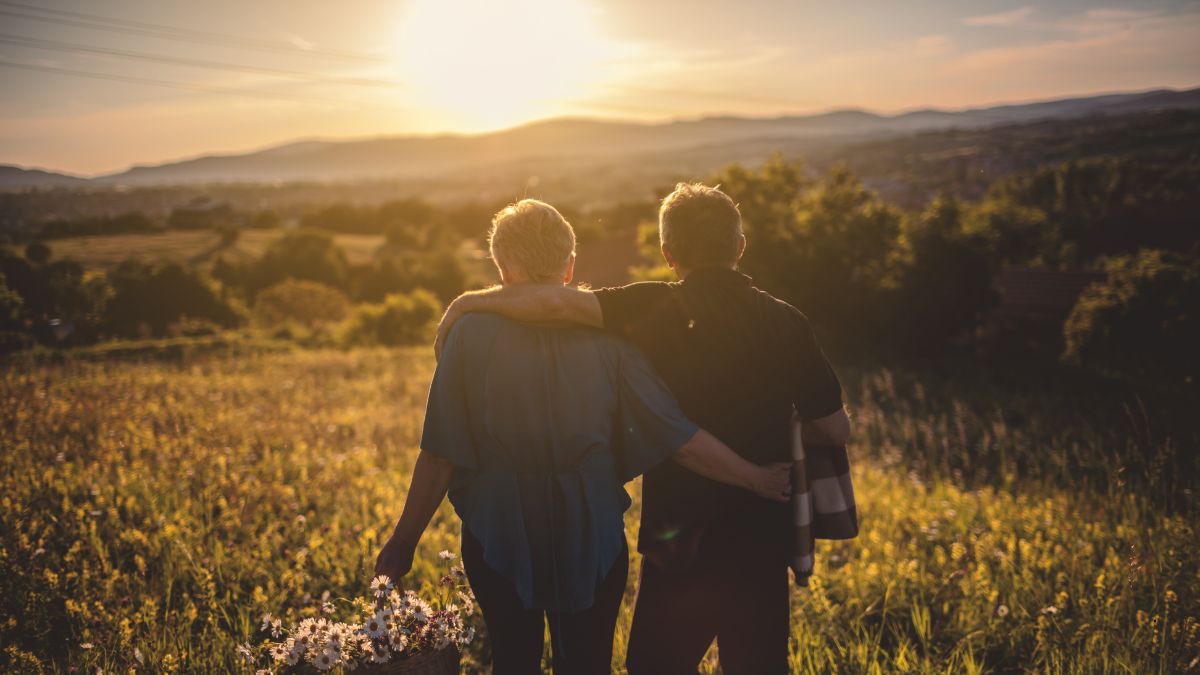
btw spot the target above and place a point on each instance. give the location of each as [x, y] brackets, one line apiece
[581, 642]
[742, 603]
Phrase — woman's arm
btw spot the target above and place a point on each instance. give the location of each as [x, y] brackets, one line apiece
[430, 481]
[709, 457]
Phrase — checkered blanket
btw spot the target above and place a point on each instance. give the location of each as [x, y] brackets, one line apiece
[823, 504]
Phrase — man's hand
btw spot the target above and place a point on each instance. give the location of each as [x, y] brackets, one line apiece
[772, 481]
[394, 561]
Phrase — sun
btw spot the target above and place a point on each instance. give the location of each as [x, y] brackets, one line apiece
[489, 63]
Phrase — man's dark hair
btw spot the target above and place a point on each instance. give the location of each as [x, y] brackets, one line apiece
[700, 226]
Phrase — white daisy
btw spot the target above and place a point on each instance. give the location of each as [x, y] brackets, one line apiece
[376, 625]
[397, 641]
[325, 660]
[379, 655]
[381, 586]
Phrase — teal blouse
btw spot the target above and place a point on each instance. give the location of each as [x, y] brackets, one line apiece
[545, 426]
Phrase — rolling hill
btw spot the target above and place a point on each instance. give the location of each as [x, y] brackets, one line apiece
[570, 145]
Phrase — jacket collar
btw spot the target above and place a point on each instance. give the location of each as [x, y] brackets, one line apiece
[704, 276]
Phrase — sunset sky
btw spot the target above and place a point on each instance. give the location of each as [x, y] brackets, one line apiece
[93, 87]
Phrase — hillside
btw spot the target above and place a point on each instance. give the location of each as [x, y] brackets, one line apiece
[575, 146]
[19, 177]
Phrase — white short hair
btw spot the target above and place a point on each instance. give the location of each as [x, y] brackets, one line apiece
[533, 238]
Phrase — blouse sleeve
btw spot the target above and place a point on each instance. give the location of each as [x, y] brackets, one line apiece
[651, 427]
[447, 431]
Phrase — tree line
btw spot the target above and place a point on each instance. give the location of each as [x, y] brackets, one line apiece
[874, 277]
[881, 280]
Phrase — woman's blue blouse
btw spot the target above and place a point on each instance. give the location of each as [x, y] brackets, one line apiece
[545, 425]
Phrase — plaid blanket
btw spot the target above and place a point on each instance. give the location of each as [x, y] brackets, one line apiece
[823, 504]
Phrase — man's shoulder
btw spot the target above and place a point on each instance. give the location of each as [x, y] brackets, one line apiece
[777, 306]
[650, 287]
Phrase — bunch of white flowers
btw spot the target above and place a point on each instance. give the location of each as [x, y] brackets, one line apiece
[391, 624]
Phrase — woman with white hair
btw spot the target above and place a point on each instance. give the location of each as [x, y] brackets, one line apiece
[534, 430]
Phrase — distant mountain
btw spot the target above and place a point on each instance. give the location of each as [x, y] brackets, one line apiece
[17, 177]
[567, 146]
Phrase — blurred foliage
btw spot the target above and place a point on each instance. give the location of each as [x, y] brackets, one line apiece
[307, 303]
[149, 299]
[1143, 321]
[401, 319]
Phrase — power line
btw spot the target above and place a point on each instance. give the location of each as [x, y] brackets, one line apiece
[197, 63]
[141, 28]
[169, 84]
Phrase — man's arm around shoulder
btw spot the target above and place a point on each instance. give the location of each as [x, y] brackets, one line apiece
[543, 303]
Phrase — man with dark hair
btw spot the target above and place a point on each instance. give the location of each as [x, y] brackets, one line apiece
[741, 363]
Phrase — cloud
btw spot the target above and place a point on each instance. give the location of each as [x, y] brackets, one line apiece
[1009, 18]
[1090, 43]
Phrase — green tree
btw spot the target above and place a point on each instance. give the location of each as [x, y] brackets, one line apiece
[1143, 321]
[945, 284]
[307, 303]
[37, 252]
[301, 254]
[401, 319]
[148, 298]
[13, 333]
[827, 247]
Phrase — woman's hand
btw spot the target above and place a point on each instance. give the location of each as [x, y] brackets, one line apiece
[394, 561]
[772, 481]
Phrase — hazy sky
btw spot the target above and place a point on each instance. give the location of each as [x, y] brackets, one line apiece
[95, 86]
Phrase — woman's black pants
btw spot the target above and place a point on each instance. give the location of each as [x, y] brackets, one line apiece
[581, 642]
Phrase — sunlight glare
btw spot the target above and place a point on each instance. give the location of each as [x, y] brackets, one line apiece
[491, 64]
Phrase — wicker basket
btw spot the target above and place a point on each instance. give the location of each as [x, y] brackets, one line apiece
[438, 662]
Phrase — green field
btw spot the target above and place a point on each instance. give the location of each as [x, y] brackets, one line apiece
[189, 246]
[154, 510]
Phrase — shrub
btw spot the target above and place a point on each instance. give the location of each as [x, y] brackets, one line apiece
[1143, 321]
[148, 299]
[401, 319]
[300, 254]
[307, 303]
[945, 280]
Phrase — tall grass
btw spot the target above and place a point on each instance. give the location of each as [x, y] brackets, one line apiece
[151, 512]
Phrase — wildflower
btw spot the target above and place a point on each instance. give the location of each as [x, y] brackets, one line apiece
[1050, 610]
[379, 654]
[957, 551]
[325, 660]
[86, 645]
[279, 653]
[468, 603]
[381, 586]
[397, 641]
[447, 555]
[245, 652]
[1002, 611]
[376, 626]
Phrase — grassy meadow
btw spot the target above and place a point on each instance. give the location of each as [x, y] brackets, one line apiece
[153, 510]
[195, 247]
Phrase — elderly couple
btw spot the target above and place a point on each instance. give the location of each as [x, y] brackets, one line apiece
[547, 399]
